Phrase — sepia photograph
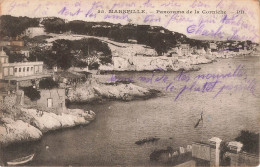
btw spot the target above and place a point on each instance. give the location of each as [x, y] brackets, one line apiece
[129, 83]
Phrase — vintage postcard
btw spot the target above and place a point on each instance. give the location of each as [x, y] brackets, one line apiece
[129, 83]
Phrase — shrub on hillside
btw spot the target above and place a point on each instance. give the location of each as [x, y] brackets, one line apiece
[250, 141]
[32, 93]
[48, 83]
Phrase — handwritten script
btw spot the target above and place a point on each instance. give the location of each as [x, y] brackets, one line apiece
[220, 19]
[209, 82]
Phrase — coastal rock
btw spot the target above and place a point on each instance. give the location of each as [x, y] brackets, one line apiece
[28, 124]
[81, 93]
[87, 115]
[194, 60]
[18, 131]
[50, 121]
[64, 119]
[122, 91]
[143, 63]
[43, 121]
[7, 120]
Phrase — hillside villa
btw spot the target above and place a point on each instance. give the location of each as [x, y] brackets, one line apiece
[20, 71]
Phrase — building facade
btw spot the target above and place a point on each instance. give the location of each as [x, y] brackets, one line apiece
[21, 69]
[10, 42]
[17, 43]
[52, 99]
[185, 49]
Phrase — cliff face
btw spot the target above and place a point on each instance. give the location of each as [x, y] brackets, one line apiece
[141, 63]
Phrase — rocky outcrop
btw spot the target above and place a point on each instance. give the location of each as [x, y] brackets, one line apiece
[82, 93]
[34, 123]
[122, 91]
[88, 93]
[17, 131]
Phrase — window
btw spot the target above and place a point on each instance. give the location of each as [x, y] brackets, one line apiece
[36, 69]
[15, 69]
[28, 68]
[11, 71]
[24, 69]
[49, 102]
[20, 69]
[31, 68]
[5, 71]
[40, 69]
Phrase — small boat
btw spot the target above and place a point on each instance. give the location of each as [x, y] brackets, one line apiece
[151, 139]
[20, 161]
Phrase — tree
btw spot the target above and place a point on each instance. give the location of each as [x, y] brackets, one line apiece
[48, 83]
[54, 25]
[43, 55]
[250, 141]
[94, 66]
[63, 57]
[14, 57]
[32, 93]
[224, 161]
[158, 43]
[77, 26]
[15, 26]
[91, 50]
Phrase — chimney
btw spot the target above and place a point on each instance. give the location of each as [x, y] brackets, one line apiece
[216, 141]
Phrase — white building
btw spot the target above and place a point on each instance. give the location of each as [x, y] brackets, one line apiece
[34, 31]
[185, 49]
[212, 46]
[11, 71]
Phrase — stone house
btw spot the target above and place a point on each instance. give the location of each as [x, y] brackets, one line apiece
[53, 99]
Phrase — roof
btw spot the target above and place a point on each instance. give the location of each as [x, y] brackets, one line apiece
[2, 53]
[67, 74]
[235, 144]
[85, 73]
[17, 48]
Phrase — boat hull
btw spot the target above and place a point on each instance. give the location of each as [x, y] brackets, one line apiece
[21, 161]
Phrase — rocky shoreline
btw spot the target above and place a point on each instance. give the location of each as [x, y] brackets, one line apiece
[87, 93]
[140, 63]
[28, 124]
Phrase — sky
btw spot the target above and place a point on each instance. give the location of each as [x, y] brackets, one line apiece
[207, 19]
